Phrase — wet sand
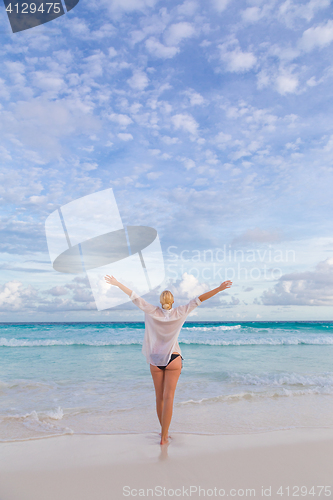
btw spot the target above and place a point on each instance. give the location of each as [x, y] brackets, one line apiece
[112, 467]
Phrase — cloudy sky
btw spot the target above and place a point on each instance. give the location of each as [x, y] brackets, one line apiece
[212, 121]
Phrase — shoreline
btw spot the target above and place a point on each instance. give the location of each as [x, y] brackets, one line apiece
[82, 467]
[189, 433]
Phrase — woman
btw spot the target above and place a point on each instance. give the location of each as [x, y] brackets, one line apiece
[160, 344]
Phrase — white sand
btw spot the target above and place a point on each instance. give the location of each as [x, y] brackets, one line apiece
[81, 467]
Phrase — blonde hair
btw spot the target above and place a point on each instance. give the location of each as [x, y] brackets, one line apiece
[166, 299]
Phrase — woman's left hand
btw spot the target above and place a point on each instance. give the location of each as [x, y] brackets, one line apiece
[225, 284]
[111, 280]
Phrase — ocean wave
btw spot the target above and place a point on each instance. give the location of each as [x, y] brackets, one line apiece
[65, 342]
[41, 422]
[323, 340]
[211, 328]
[282, 379]
[249, 396]
[56, 414]
[49, 420]
[25, 385]
[261, 341]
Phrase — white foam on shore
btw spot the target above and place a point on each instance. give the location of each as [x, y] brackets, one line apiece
[211, 328]
[256, 395]
[278, 340]
[281, 379]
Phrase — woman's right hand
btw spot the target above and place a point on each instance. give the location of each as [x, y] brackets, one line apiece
[225, 284]
[111, 280]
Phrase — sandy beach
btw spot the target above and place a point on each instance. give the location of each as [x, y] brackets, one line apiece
[111, 467]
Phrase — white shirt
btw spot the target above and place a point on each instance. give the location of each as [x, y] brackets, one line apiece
[162, 328]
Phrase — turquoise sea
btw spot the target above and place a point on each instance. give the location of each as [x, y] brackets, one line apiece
[65, 378]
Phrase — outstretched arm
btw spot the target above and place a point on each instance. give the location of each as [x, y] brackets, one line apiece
[211, 293]
[138, 301]
[112, 281]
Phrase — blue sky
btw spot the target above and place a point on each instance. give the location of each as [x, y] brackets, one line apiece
[212, 122]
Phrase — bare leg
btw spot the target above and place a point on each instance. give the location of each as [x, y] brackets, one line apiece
[158, 378]
[171, 376]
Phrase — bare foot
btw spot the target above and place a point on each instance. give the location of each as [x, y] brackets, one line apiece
[165, 440]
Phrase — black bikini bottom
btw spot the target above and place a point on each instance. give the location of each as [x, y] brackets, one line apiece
[173, 356]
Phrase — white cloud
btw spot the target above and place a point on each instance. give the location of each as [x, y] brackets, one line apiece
[237, 155]
[312, 82]
[329, 146]
[154, 152]
[124, 181]
[254, 118]
[189, 287]
[139, 80]
[309, 288]
[285, 53]
[258, 235]
[122, 120]
[286, 82]
[221, 139]
[220, 5]
[129, 5]
[46, 80]
[186, 122]
[236, 60]
[178, 32]
[16, 72]
[38, 199]
[290, 11]
[170, 140]
[262, 117]
[125, 137]
[263, 79]
[283, 80]
[95, 63]
[112, 52]
[188, 163]
[79, 28]
[211, 157]
[105, 31]
[159, 50]
[13, 294]
[188, 8]
[200, 181]
[16, 297]
[5, 155]
[42, 124]
[317, 37]
[154, 175]
[57, 290]
[294, 145]
[135, 108]
[4, 93]
[195, 98]
[233, 302]
[159, 154]
[251, 14]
